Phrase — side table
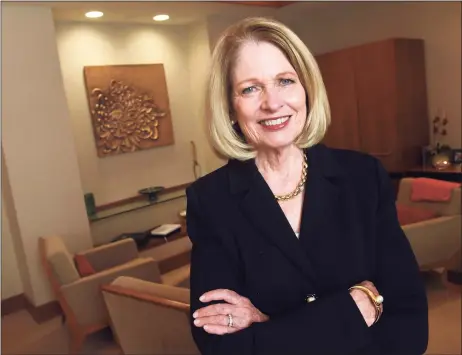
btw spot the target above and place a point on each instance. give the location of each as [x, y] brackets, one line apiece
[157, 241]
[454, 276]
[453, 173]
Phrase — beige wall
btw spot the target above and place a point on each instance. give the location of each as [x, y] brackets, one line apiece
[336, 26]
[37, 141]
[185, 53]
[217, 23]
[117, 177]
[11, 279]
[104, 230]
[199, 62]
[14, 261]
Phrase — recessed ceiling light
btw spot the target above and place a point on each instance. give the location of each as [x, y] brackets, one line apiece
[94, 14]
[161, 17]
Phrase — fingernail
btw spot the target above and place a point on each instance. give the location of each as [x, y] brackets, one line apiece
[202, 298]
[195, 315]
[197, 322]
[206, 327]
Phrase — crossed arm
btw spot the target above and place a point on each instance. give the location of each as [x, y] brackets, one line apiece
[331, 325]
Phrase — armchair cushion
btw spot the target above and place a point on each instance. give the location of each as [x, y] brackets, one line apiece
[83, 265]
[60, 260]
[110, 255]
[413, 214]
[150, 318]
[153, 288]
[425, 189]
[178, 277]
[445, 208]
[435, 241]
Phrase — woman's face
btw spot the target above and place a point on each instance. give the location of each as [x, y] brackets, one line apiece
[268, 99]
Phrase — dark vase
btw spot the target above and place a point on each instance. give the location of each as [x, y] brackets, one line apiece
[90, 204]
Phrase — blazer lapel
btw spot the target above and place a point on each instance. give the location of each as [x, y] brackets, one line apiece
[263, 212]
[322, 193]
[322, 196]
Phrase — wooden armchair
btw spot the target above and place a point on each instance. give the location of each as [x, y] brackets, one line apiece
[80, 297]
[149, 318]
[435, 241]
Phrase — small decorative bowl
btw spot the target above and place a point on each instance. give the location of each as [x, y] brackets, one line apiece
[151, 192]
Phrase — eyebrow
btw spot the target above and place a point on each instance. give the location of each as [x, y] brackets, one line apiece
[255, 79]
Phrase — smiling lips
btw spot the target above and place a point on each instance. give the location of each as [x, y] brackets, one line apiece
[275, 124]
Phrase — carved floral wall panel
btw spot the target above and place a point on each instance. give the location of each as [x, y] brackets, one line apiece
[129, 107]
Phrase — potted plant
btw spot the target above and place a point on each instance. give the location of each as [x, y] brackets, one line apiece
[441, 153]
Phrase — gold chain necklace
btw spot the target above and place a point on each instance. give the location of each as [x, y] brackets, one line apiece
[300, 186]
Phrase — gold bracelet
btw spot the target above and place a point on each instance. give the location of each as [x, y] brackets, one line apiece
[377, 301]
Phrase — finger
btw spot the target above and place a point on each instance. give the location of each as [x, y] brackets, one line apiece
[219, 329]
[238, 322]
[215, 309]
[221, 294]
[212, 320]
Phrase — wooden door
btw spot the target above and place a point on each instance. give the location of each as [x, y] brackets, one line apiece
[338, 76]
[375, 80]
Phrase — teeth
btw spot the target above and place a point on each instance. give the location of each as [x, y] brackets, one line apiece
[275, 122]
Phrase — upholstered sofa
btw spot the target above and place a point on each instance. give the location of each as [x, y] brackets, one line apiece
[149, 317]
[435, 240]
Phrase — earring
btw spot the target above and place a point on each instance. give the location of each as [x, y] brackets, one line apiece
[233, 122]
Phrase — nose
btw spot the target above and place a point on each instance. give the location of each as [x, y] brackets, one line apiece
[271, 100]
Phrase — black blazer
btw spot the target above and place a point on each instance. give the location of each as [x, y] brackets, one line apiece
[349, 233]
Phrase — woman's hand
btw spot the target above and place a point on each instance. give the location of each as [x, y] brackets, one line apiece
[214, 318]
[364, 303]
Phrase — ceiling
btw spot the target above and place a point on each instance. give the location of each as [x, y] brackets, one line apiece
[180, 12]
[276, 4]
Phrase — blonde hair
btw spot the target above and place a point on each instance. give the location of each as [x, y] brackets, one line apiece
[224, 138]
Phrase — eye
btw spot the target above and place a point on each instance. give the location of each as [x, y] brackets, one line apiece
[286, 82]
[249, 90]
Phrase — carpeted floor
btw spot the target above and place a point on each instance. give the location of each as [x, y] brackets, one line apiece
[21, 335]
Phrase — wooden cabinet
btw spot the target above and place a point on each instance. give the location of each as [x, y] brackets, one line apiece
[338, 75]
[378, 99]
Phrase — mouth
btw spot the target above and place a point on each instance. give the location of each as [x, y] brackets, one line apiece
[275, 121]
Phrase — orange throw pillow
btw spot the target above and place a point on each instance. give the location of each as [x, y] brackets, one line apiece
[410, 214]
[83, 265]
[426, 189]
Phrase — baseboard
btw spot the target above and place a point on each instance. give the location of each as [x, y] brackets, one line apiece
[40, 314]
[44, 312]
[13, 304]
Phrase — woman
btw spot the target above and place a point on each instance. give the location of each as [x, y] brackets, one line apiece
[296, 247]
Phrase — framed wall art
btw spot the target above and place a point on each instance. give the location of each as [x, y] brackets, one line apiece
[129, 107]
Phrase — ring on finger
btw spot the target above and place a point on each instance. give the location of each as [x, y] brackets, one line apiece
[230, 320]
